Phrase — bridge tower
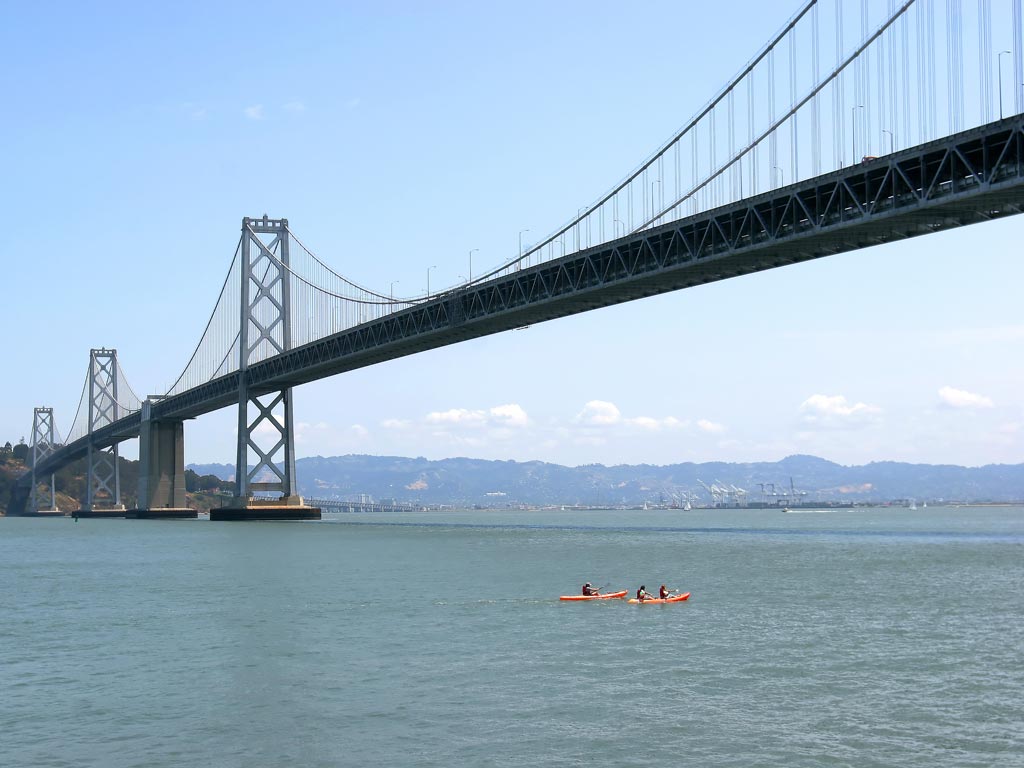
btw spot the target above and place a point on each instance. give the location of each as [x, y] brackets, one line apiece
[265, 422]
[43, 444]
[103, 476]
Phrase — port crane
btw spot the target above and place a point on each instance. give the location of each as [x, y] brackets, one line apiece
[714, 490]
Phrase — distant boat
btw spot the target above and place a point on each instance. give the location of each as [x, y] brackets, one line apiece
[913, 505]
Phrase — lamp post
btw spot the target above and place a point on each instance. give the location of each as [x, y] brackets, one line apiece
[853, 132]
[471, 263]
[433, 266]
[519, 264]
[782, 175]
[579, 213]
[999, 66]
[892, 140]
[619, 221]
[654, 206]
[391, 291]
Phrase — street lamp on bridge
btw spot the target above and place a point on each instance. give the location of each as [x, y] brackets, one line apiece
[853, 132]
[999, 66]
[391, 291]
[471, 263]
[519, 264]
[579, 213]
[433, 266]
[892, 140]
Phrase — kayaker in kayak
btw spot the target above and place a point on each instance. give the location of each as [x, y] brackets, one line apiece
[641, 594]
[664, 592]
[589, 591]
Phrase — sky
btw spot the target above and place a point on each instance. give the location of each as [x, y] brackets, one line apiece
[397, 136]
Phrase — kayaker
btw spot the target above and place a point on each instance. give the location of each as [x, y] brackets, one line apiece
[663, 592]
[641, 594]
[589, 591]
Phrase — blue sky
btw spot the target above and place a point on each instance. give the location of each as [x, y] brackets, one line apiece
[397, 136]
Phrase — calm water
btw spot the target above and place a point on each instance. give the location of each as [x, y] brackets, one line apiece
[854, 638]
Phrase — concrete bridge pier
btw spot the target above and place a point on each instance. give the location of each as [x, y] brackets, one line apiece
[161, 469]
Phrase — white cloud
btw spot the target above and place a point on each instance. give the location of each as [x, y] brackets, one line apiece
[835, 411]
[267, 428]
[599, 413]
[359, 431]
[500, 416]
[255, 112]
[710, 427]
[510, 415]
[459, 416]
[656, 425]
[958, 398]
[646, 422]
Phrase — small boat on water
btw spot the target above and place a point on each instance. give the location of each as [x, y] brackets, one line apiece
[672, 599]
[606, 596]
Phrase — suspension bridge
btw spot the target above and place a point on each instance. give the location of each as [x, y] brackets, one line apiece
[859, 123]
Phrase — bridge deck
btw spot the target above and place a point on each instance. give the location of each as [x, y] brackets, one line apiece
[970, 177]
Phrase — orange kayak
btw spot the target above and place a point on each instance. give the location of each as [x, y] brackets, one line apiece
[675, 599]
[606, 596]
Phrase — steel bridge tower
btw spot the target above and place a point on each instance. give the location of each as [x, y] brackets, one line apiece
[43, 444]
[265, 421]
[103, 476]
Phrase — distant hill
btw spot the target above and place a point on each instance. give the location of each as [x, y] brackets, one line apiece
[475, 481]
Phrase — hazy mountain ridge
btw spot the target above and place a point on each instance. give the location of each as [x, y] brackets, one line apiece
[478, 481]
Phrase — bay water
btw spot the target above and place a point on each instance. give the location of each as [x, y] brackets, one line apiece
[862, 637]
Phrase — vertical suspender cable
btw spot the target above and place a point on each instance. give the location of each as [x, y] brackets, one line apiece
[1018, 59]
[793, 135]
[816, 103]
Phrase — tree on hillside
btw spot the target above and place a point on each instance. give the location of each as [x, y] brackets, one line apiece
[20, 451]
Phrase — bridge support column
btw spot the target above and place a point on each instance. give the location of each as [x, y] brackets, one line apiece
[161, 469]
[103, 478]
[42, 446]
[265, 330]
